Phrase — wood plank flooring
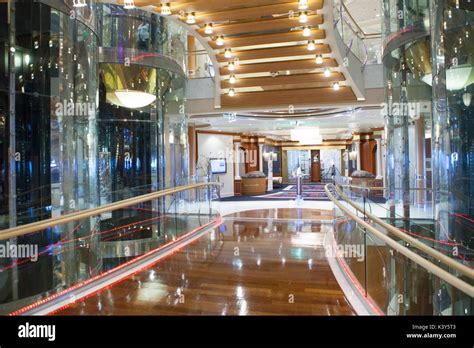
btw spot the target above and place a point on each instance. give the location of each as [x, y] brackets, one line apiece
[241, 268]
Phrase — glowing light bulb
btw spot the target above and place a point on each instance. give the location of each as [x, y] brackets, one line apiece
[129, 4]
[220, 41]
[79, 3]
[208, 29]
[228, 53]
[303, 4]
[306, 32]
[327, 72]
[232, 79]
[319, 59]
[311, 46]
[166, 9]
[336, 86]
[191, 18]
[231, 66]
[303, 18]
[231, 92]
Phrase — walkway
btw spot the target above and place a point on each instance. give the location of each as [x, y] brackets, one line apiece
[262, 262]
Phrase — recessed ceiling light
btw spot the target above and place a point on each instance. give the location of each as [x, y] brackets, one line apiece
[327, 72]
[232, 79]
[306, 32]
[319, 59]
[336, 86]
[231, 66]
[311, 46]
[231, 92]
[228, 53]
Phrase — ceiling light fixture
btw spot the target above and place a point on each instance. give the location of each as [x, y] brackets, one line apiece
[311, 45]
[79, 3]
[327, 72]
[129, 4]
[303, 17]
[231, 66]
[166, 9]
[319, 59]
[208, 29]
[232, 79]
[228, 53]
[191, 18]
[336, 86]
[303, 5]
[134, 99]
[231, 92]
[306, 32]
[220, 41]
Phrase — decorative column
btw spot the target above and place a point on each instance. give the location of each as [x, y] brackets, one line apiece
[237, 160]
[260, 157]
[357, 150]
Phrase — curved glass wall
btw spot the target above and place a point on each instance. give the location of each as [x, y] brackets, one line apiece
[48, 144]
[429, 79]
[453, 132]
[142, 124]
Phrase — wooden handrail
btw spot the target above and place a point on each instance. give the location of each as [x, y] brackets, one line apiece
[84, 214]
[429, 266]
[467, 271]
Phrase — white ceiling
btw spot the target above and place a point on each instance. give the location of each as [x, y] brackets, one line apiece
[340, 126]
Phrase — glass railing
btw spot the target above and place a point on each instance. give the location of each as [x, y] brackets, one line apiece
[395, 274]
[364, 46]
[47, 260]
[415, 217]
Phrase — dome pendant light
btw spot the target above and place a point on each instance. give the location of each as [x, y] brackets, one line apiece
[166, 9]
[208, 29]
[228, 53]
[191, 18]
[220, 41]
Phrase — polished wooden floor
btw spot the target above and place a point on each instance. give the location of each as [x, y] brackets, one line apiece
[245, 267]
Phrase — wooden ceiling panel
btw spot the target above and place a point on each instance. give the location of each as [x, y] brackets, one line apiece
[262, 26]
[306, 64]
[246, 14]
[276, 52]
[267, 39]
[284, 98]
[284, 80]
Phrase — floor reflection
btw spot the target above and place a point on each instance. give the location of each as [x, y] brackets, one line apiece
[264, 266]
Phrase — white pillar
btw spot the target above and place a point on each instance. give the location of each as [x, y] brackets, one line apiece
[237, 160]
[379, 158]
[270, 173]
[260, 155]
[358, 162]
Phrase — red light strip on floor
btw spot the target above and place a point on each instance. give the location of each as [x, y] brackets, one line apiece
[355, 282]
[218, 221]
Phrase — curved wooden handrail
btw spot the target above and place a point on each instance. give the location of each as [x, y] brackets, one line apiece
[429, 266]
[84, 214]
